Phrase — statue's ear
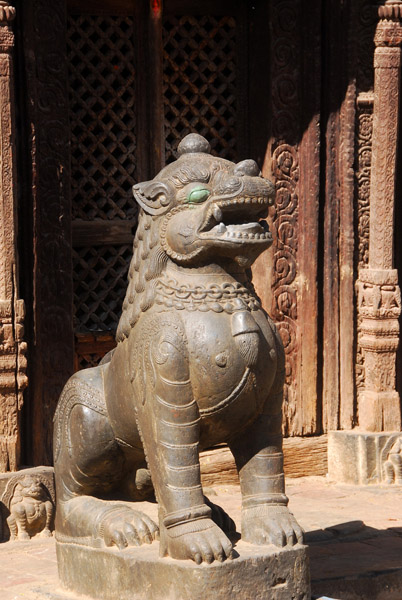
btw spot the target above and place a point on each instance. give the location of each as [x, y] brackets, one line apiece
[153, 196]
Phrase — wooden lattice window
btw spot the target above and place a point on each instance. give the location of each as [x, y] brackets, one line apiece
[102, 84]
[199, 81]
[138, 83]
[100, 281]
[102, 116]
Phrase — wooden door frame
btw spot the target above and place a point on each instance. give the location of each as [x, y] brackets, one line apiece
[45, 204]
[46, 195]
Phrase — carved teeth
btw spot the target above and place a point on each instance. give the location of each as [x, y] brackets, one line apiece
[216, 211]
[221, 228]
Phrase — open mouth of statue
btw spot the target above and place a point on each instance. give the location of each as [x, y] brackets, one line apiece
[242, 218]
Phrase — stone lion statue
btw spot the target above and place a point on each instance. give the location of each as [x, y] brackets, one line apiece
[31, 509]
[197, 362]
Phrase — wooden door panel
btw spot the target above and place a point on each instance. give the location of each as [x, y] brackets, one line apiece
[195, 82]
[202, 67]
[105, 163]
[45, 218]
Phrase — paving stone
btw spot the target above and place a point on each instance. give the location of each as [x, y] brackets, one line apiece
[370, 555]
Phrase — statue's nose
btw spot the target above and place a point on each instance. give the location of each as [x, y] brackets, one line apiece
[247, 167]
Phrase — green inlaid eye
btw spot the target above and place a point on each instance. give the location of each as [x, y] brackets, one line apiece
[197, 195]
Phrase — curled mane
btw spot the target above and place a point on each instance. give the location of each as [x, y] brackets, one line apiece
[147, 264]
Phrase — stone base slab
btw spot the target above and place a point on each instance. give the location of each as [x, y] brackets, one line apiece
[259, 572]
[362, 458]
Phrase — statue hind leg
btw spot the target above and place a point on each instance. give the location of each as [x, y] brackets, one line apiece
[89, 466]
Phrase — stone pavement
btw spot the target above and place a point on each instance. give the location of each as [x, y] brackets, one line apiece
[355, 538]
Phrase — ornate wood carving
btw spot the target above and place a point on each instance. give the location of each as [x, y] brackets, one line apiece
[44, 30]
[379, 296]
[365, 29]
[294, 156]
[13, 378]
[364, 129]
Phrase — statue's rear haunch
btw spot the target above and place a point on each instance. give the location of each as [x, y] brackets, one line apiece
[197, 362]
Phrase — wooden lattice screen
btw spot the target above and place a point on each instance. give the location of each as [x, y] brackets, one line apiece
[114, 87]
[199, 81]
[102, 81]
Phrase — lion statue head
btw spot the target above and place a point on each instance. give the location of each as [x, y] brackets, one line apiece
[197, 210]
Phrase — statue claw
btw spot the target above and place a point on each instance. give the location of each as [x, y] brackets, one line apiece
[127, 527]
[268, 524]
[200, 541]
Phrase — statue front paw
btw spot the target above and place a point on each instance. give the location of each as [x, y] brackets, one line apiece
[270, 524]
[121, 526]
[200, 540]
[46, 532]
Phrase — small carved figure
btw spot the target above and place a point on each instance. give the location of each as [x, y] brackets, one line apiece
[197, 362]
[31, 509]
[393, 464]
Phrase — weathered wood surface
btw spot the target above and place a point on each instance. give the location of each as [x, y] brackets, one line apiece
[100, 232]
[347, 224]
[338, 224]
[302, 456]
[48, 214]
[90, 348]
[286, 276]
[96, 7]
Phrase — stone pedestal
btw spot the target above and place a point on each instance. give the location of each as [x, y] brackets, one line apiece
[361, 458]
[258, 572]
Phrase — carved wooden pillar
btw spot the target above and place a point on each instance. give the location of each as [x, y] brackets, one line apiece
[12, 347]
[379, 302]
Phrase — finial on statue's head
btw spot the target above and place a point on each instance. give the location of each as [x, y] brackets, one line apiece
[193, 143]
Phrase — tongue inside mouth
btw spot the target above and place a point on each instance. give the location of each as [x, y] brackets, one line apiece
[253, 227]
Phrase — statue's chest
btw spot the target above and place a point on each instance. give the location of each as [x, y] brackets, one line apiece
[232, 356]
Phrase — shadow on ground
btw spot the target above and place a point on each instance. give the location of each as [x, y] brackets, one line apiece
[351, 561]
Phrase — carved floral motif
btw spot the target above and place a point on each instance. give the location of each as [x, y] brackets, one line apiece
[367, 21]
[285, 170]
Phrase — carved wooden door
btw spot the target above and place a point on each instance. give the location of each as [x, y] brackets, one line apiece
[134, 79]
[286, 82]
[140, 78]
[105, 158]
